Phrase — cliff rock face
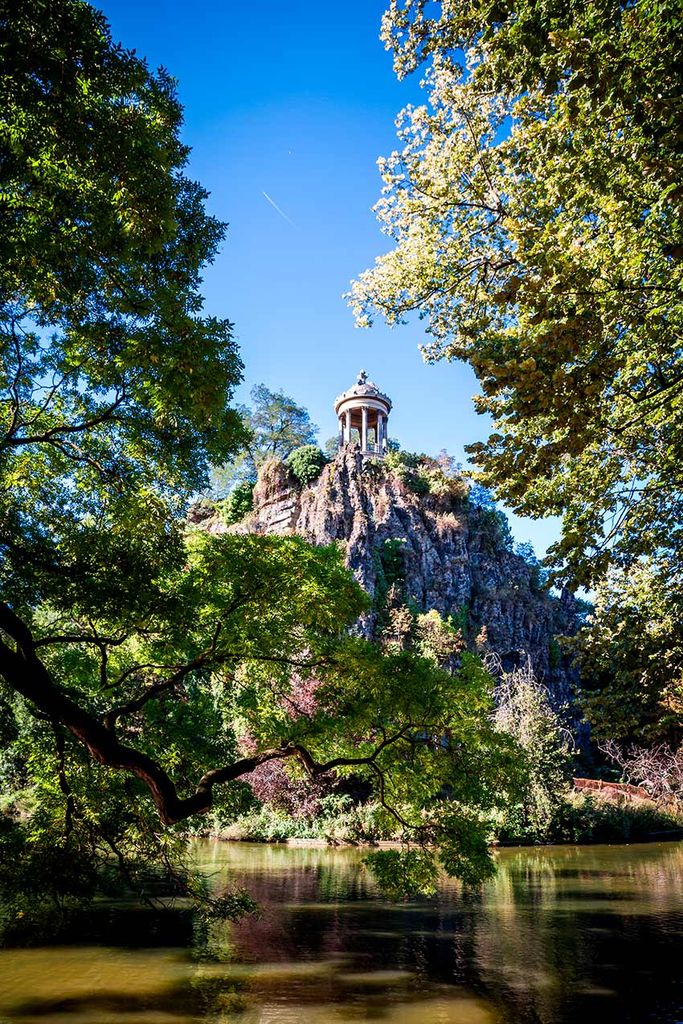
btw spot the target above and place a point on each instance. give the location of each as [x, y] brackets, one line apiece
[439, 551]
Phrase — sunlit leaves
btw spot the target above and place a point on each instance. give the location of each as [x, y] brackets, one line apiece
[631, 656]
[111, 378]
[535, 209]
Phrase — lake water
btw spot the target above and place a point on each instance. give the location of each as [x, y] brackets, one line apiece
[564, 934]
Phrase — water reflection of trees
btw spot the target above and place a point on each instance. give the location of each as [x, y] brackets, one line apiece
[582, 933]
[560, 934]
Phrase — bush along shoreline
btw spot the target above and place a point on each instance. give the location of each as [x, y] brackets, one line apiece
[580, 818]
[553, 806]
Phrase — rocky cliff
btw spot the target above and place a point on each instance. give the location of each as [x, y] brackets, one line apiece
[432, 549]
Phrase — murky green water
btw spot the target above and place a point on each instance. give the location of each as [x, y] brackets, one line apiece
[561, 935]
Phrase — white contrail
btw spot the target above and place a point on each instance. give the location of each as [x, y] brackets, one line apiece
[281, 212]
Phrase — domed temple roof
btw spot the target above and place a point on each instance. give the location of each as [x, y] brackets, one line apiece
[363, 388]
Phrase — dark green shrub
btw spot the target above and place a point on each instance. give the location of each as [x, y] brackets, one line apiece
[581, 818]
[588, 819]
[409, 468]
[495, 529]
[239, 503]
[389, 567]
[306, 464]
[554, 653]
[461, 619]
[538, 575]
[424, 475]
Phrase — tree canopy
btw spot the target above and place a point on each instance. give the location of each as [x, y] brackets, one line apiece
[234, 655]
[631, 656]
[535, 215]
[115, 389]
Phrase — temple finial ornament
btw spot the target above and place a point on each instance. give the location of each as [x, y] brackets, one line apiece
[363, 411]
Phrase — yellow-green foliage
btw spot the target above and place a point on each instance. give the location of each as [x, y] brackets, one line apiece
[535, 209]
[425, 475]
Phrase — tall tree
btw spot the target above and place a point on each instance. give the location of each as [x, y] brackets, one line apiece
[276, 426]
[111, 379]
[524, 711]
[114, 389]
[535, 210]
[631, 656]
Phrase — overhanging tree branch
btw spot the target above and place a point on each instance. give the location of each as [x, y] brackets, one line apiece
[105, 416]
[22, 669]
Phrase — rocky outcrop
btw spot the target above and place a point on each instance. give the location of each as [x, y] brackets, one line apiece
[437, 549]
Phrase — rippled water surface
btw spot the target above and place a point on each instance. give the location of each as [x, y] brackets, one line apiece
[592, 934]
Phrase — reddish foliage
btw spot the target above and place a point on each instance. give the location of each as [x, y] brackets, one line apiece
[270, 782]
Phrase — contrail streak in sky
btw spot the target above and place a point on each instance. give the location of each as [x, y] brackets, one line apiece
[276, 207]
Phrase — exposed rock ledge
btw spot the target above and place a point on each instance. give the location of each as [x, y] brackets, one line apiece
[451, 560]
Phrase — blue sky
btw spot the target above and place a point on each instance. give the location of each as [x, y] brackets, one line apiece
[295, 101]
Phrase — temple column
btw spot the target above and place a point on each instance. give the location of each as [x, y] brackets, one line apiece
[364, 429]
[384, 433]
[341, 431]
[347, 427]
[378, 433]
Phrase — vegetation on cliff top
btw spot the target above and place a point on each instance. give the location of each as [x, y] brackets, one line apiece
[275, 426]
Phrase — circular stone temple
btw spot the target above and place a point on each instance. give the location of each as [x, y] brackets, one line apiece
[363, 412]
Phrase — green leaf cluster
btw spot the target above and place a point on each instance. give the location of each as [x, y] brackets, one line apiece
[630, 653]
[524, 711]
[535, 211]
[424, 475]
[306, 463]
[239, 503]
